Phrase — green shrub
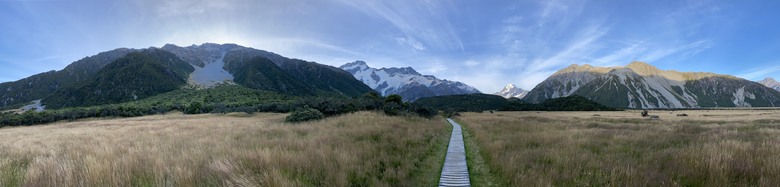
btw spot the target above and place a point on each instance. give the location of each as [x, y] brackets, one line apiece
[305, 114]
[392, 109]
[395, 98]
[194, 108]
[425, 112]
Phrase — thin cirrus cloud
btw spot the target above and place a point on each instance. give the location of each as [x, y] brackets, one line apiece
[759, 73]
[562, 34]
[486, 44]
[426, 21]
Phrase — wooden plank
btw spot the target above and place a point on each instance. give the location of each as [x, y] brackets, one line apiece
[455, 171]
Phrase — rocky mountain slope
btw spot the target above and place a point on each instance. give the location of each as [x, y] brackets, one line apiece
[640, 85]
[406, 82]
[122, 75]
[230, 63]
[771, 83]
[42, 85]
[135, 76]
[512, 91]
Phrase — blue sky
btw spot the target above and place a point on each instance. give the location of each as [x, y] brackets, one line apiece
[486, 44]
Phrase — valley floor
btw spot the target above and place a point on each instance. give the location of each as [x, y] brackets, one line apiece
[360, 149]
[706, 148]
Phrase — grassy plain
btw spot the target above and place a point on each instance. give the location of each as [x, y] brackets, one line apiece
[360, 149]
[706, 148]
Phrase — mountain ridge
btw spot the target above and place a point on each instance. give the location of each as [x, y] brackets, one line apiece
[82, 84]
[405, 81]
[641, 85]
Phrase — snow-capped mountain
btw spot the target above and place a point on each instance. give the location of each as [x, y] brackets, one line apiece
[406, 82]
[640, 85]
[771, 83]
[510, 91]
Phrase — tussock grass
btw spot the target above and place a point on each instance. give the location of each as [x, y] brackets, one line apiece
[559, 149]
[361, 149]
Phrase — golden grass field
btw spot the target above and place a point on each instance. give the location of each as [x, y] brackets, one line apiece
[707, 148]
[361, 149]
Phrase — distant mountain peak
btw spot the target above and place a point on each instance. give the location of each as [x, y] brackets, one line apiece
[771, 83]
[405, 81]
[510, 91]
[403, 70]
[356, 65]
[510, 86]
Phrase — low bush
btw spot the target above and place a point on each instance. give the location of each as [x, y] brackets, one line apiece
[392, 109]
[304, 114]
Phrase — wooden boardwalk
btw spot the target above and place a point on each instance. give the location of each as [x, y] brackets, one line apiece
[455, 171]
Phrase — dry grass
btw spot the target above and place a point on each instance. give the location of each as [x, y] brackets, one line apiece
[620, 149]
[361, 149]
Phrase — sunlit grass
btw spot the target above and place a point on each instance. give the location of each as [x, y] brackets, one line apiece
[544, 149]
[361, 149]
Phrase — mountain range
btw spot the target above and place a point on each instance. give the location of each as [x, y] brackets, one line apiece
[512, 91]
[640, 85]
[123, 75]
[406, 82]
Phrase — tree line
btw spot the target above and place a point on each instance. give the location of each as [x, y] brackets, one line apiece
[223, 101]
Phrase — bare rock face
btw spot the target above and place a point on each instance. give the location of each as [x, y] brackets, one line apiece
[641, 85]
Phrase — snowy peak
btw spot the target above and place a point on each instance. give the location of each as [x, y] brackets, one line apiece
[403, 71]
[510, 91]
[407, 82]
[355, 64]
[353, 67]
[771, 83]
[510, 87]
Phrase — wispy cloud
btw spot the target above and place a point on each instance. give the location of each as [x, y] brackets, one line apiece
[561, 33]
[410, 42]
[621, 55]
[755, 74]
[534, 48]
[170, 8]
[424, 20]
[577, 49]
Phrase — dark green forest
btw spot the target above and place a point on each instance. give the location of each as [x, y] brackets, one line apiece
[485, 102]
[222, 99]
